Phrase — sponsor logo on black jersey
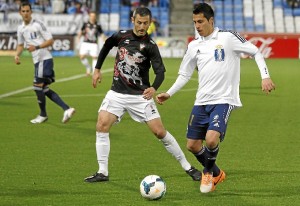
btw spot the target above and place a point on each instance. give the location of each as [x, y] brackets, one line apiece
[142, 46]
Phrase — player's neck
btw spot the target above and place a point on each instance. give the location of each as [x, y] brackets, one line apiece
[27, 21]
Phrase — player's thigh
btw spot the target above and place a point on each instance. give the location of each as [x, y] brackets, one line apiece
[218, 120]
[93, 50]
[198, 123]
[113, 104]
[212, 138]
[140, 109]
[44, 72]
[84, 49]
[105, 121]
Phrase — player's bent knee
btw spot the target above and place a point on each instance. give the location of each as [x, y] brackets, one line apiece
[194, 146]
[38, 86]
[212, 142]
[160, 134]
[212, 138]
[192, 149]
[102, 127]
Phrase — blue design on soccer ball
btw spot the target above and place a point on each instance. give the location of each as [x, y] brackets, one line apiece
[147, 186]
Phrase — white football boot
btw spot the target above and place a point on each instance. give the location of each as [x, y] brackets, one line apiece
[68, 114]
[39, 119]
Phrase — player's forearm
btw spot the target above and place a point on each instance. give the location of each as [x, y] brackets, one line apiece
[159, 78]
[19, 49]
[260, 61]
[179, 83]
[45, 44]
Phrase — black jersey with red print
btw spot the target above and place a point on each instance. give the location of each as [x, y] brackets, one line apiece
[134, 58]
[91, 32]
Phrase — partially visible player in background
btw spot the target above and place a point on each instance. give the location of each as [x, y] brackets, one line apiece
[216, 55]
[90, 32]
[132, 92]
[152, 29]
[34, 36]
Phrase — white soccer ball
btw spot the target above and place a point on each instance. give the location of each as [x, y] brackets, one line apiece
[153, 187]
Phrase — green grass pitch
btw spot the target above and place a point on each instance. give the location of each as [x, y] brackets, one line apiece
[46, 164]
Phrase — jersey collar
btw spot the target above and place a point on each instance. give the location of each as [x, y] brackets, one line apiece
[31, 21]
[213, 35]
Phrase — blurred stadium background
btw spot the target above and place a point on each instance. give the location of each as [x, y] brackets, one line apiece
[45, 165]
[273, 25]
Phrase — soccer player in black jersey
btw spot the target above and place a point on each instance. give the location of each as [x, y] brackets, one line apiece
[131, 91]
[90, 32]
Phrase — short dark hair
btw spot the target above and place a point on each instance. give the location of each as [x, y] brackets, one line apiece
[205, 9]
[25, 3]
[142, 11]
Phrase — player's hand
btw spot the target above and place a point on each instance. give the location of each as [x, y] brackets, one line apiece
[162, 97]
[97, 77]
[267, 85]
[17, 60]
[31, 48]
[148, 93]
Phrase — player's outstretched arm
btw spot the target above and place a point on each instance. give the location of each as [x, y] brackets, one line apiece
[162, 97]
[267, 85]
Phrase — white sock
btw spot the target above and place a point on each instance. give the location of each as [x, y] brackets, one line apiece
[86, 63]
[94, 64]
[173, 147]
[102, 150]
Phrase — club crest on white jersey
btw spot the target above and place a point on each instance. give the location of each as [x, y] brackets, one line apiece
[219, 53]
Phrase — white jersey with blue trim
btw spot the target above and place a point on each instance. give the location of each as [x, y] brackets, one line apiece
[217, 58]
[35, 33]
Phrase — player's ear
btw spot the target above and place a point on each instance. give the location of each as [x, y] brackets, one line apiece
[132, 19]
[211, 20]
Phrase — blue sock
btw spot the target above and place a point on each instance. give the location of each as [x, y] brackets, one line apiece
[55, 98]
[202, 156]
[211, 159]
[41, 100]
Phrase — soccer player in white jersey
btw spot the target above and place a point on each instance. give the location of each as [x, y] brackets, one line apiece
[216, 56]
[33, 36]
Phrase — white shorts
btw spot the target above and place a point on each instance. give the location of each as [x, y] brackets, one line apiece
[88, 49]
[140, 109]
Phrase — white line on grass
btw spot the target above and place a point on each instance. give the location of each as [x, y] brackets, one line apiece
[101, 94]
[59, 80]
[77, 77]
